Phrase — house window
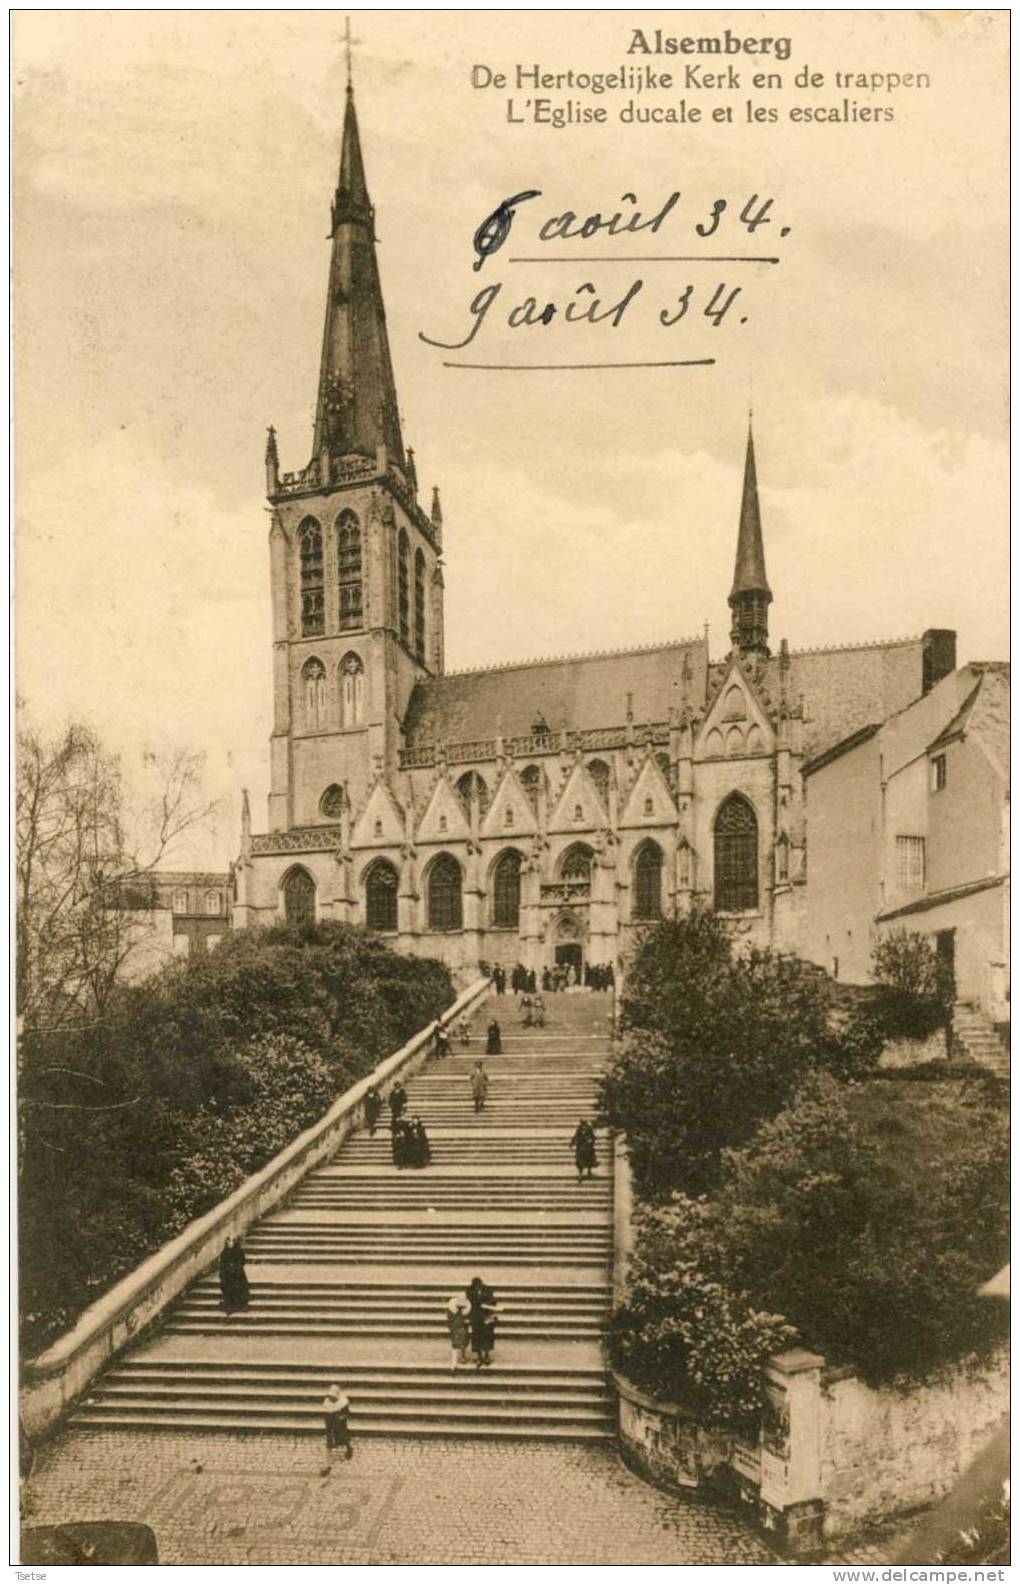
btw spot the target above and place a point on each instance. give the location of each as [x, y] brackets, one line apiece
[313, 607]
[506, 892]
[182, 946]
[381, 896]
[179, 903]
[736, 856]
[213, 903]
[313, 678]
[403, 588]
[348, 565]
[910, 862]
[419, 607]
[352, 690]
[938, 773]
[212, 941]
[648, 882]
[444, 897]
[299, 897]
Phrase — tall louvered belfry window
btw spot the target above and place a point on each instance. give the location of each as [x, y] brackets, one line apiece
[419, 607]
[736, 856]
[403, 588]
[348, 562]
[313, 602]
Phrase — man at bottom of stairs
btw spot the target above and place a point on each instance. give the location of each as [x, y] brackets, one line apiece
[336, 1409]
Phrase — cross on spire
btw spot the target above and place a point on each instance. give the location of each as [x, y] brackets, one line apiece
[348, 41]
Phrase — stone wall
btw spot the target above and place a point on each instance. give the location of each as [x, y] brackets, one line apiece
[885, 1451]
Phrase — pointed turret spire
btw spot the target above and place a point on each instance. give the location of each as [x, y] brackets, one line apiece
[750, 595]
[357, 405]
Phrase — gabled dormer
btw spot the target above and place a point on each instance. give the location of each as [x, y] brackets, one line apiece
[510, 814]
[578, 806]
[736, 725]
[380, 821]
[649, 801]
[444, 819]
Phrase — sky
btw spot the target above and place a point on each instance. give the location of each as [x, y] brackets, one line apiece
[173, 175]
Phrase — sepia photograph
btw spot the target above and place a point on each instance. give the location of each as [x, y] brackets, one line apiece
[511, 759]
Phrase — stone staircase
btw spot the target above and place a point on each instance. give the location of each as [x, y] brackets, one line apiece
[980, 1039]
[350, 1279]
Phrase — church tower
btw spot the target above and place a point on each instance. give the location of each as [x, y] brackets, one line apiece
[357, 584]
[750, 595]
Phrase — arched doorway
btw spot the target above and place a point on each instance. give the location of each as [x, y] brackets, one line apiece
[569, 936]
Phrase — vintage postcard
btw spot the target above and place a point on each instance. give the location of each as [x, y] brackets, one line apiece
[512, 786]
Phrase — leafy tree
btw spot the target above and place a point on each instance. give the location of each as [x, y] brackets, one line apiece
[913, 997]
[713, 1043]
[862, 1229]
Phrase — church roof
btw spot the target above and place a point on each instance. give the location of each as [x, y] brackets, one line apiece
[356, 409]
[577, 693]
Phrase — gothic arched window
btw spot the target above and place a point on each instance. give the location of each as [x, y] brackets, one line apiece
[313, 604]
[576, 863]
[663, 761]
[419, 606]
[298, 897]
[506, 891]
[352, 690]
[313, 682]
[381, 896]
[471, 782]
[736, 855]
[648, 882]
[348, 564]
[598, 770]
[331, 804]
[531, 781]
[444, 895]
[403, 587]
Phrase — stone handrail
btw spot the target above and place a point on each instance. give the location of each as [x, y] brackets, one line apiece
[56, 1378]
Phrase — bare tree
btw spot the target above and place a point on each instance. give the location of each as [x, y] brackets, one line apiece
[85, 860]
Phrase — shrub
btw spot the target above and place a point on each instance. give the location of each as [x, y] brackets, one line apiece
[712, 1044]
[913, 998]
[685, 1332]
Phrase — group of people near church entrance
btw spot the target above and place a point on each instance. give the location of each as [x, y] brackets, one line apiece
[471, 1319]
[561, 977]
[532, 1011]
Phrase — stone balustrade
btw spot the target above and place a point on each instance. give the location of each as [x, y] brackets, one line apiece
[53, 1381]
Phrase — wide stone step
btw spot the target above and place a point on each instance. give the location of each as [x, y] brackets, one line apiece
[510, 1428]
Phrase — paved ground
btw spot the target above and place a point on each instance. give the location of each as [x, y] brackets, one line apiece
[261, 1499]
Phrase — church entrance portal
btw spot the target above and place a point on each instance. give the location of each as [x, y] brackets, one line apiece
[569, 952]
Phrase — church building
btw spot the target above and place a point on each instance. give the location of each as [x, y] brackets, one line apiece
[536, 812]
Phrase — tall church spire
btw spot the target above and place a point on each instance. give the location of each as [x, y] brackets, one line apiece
[357, 404]
[750, 595]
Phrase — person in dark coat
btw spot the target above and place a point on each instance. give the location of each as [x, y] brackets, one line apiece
[398, 1101]
[583, 1144]
[479, 1086]
[400, 1138]
[531, 983]
[373, 1106]
[493, 1040]
[482, 1320]
[235, 1293]
[419, 1152]
[336, 1413]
